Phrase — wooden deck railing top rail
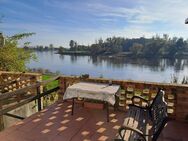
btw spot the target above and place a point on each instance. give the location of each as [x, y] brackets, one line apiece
[19, 73]
[105, 80]
[42, 83]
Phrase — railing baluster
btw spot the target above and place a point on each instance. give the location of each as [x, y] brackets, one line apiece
[38, 99]
[1, 118]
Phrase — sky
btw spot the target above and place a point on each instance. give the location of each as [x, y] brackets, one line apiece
[59, 21]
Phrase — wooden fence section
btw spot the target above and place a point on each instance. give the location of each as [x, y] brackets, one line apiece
[8, 101]
[176, 95]
[20, 91]
[11, 81]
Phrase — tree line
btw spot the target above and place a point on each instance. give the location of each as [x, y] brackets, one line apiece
[137, 47]
[42, 48]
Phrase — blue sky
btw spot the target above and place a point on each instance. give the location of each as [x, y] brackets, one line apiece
[59, 21]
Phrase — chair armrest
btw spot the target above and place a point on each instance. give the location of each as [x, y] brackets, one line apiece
[141, 107]
[125, 127]
[140, 98]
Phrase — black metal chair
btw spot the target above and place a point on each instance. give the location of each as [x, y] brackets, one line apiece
[154, 114]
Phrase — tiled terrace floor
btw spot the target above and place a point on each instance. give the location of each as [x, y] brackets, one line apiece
[56, 124]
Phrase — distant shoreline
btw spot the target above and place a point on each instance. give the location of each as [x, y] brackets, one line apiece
[123, 54]
[80, 53]
[117, 55]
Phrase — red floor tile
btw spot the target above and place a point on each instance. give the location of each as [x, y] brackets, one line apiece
[57, 124]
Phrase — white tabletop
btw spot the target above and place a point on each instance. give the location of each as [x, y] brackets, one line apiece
[96, 91]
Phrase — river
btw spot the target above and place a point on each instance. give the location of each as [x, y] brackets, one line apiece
[152, 70]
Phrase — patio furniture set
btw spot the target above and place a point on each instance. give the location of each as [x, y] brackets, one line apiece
[141, 123]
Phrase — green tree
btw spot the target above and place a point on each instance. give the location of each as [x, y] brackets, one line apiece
[136, 48]
[1, 40]
[71, 44]
[14, 58]
[180, 44]
[51, 46]
[144, 47]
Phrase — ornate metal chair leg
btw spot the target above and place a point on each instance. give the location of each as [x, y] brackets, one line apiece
[72, 106]
[107, 111]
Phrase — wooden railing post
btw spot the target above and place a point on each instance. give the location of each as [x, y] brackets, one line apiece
[1, 123]
[38, 99]
[17, 87]
[1, 118]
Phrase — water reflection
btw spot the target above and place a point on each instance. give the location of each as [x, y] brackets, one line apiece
[159, 70]
[154, 64]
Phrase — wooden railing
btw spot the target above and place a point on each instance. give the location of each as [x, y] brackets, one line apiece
[29, 88]
[25, 92]
[176, 95]
[8, 101]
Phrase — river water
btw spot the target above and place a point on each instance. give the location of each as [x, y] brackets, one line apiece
[152, 70]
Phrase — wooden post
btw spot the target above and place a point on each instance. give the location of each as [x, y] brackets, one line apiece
[39, 99]
[1, 123]
[116, 105]
[18, 95]
[1, 119]
[64, 83]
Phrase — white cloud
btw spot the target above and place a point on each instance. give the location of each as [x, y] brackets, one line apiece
[142, 18]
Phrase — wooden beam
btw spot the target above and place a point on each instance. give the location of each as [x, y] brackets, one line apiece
[1, 123]
[14, 100]
[10, 94]
[39, 99]
[1, 118]
[14, 116]
[49, 92]
[12, 107]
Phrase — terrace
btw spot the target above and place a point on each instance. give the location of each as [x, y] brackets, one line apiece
[55, 122]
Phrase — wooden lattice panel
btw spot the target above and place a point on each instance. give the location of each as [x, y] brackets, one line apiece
[17, 80]
[10, 81]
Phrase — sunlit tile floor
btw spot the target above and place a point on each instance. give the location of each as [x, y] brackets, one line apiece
[57, 124]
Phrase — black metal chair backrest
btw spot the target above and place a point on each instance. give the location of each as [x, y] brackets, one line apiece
[158, 112]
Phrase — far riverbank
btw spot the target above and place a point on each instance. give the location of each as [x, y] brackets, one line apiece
[141, 69]
[123, 54]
